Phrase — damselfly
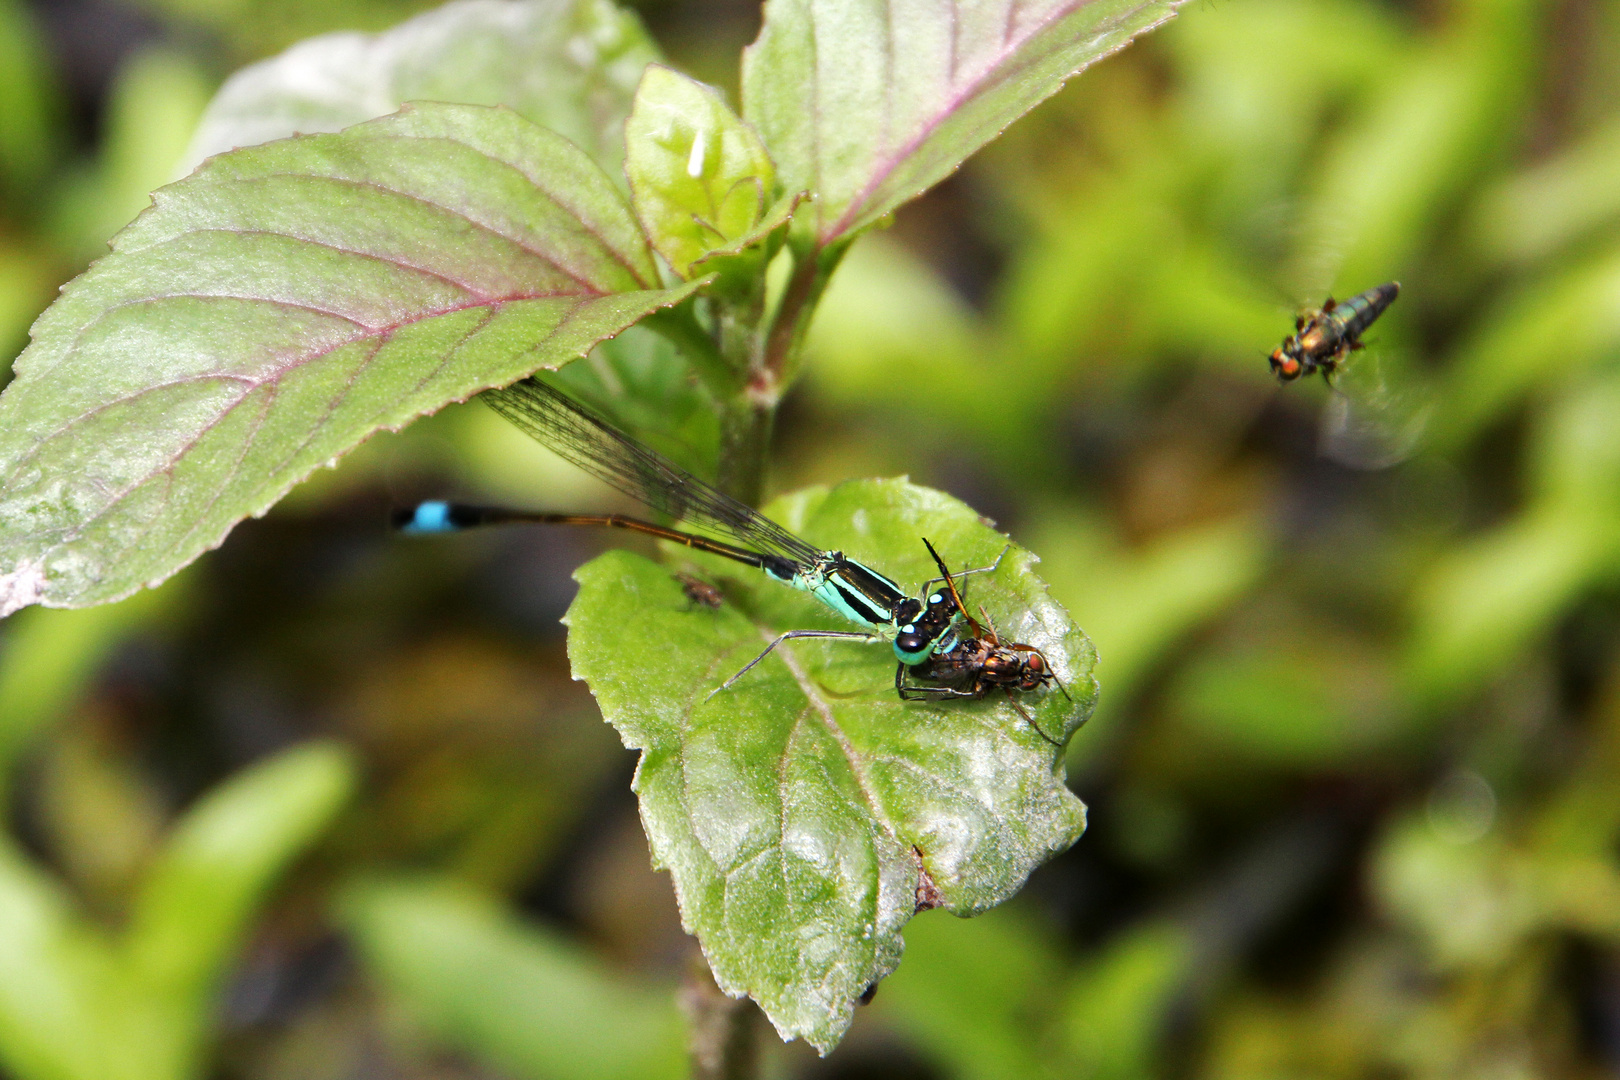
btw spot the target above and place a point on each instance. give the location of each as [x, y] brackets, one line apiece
[917, 628]
[978, 663]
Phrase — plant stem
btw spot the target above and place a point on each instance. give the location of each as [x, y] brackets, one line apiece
[764, 356]
[748, 414]
[723, 1030]
[745, 443]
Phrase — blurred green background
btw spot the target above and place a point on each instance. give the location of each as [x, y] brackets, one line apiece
[328, 804]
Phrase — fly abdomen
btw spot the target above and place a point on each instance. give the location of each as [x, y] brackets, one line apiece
[1363, 309]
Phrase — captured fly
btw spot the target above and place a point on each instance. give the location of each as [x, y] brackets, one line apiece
[977, 662]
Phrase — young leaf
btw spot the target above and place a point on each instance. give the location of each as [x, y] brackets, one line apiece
[278, 307]
[568, 65]
[223, 855]
[200, 893]
[55, 973]
[806, 812]
[868, 105]
[514, 996]
[700, 176]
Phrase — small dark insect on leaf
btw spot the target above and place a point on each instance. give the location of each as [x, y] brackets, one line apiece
[700, 592]
[868, 994]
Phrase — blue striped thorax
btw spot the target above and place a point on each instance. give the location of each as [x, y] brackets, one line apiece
[858, 593]
[862, 595]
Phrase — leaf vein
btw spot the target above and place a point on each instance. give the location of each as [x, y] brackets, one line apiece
[520, 244]
[387, 260]
[332, 405]
[236, 467]
[557, 197]
[824, 710]
[995, 74]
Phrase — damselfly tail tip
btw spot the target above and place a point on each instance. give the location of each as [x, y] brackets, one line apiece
[433, 516]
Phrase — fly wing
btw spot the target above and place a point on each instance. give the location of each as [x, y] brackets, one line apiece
[1376, 414]
[584, 438]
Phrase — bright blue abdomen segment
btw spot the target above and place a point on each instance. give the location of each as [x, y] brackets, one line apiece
[430, 517]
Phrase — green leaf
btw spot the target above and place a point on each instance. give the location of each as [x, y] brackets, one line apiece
[700, 176]
[54, 972]
[76, 1006]
[1391, 175]
[278, 307]
[1120, 1002]
[28, 106]
[1475, 609]
[1560, 201]
[223, 855]
[568, 65]
[1557, 325]
[968, 992]
[190, 916]
[807, 812]
[520, 999]
[868, 105]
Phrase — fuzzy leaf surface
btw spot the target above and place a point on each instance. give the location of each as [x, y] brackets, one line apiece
[866, 105]
[568, 65]
[700, 176]
[806, 813]
[279, 306]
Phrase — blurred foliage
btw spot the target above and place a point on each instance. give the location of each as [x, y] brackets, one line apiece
[1352, 781]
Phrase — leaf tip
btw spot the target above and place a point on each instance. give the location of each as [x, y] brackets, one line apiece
[23, 586]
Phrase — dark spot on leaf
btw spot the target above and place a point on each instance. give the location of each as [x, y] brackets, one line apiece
[928, 894]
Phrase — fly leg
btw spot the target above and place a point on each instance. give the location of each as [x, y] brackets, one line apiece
[841, 635]
[912, 691]
[1030, 720]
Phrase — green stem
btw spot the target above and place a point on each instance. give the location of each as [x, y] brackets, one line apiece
[745, 443]
[723, 1042]
[765, 354]
[747, 415]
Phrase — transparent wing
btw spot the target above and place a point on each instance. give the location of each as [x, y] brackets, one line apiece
[582, 436]
[1377, 412]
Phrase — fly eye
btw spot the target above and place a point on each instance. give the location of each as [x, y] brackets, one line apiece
[1035, 663]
